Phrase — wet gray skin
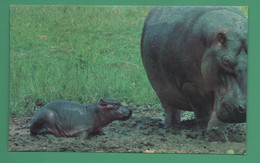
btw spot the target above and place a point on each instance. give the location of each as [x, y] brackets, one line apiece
[196, 60]
[69, 119]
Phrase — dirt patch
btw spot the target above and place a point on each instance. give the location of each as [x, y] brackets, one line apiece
[139, 134]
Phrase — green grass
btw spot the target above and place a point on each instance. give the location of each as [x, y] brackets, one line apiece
[78, 53]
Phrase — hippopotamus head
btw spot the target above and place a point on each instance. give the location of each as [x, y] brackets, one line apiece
[114, 110]
[224, 68]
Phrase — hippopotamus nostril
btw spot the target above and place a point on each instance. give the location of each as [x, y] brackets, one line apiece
[241, 109]
[229, 109]
[129, 114]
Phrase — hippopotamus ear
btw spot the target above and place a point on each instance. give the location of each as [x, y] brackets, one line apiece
[221, 37]
[102, 102]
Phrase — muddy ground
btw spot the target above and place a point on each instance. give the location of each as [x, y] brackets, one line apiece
[139, 134]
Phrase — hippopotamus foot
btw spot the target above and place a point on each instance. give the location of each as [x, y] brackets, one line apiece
[97, 133]
[161, 124]
[50, 137]
[82, 135]
[172, 118]
[216, 131]
[201, 125]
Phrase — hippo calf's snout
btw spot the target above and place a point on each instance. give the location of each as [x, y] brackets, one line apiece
[114, 110]
[125, 112]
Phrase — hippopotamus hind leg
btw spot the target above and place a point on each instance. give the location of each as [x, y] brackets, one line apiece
[38, 128]
[99, 132]
[200, 106]
[172, 115]
[82, 135]
[42, 123]
[214, 121]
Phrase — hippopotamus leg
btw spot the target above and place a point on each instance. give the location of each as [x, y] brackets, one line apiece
[200, 106]
[172, 116]
[214, 121]
[41, 125]
[99, 132]
[82, 135]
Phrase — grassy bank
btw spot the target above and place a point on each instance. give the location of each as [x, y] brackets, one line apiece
[76, 53]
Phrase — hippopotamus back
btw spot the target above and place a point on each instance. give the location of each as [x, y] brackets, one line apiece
[65, 118]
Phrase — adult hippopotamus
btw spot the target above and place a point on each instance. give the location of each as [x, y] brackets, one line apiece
[70, 119]
[196, 60]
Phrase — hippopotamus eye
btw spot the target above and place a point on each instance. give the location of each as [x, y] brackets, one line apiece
[228, 63]
[116, 106]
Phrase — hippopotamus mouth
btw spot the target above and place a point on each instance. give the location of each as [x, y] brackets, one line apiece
[231, 113]
[126, 117]
[231, 105]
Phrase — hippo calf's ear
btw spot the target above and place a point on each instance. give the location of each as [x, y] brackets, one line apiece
[102, 102]
[221, 38]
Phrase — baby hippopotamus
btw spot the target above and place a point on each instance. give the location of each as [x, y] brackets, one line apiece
[70, 119]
